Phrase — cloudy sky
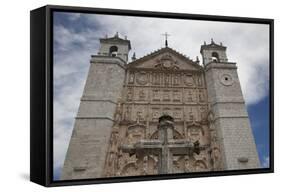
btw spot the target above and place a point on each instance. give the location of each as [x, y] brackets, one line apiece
[76, 38]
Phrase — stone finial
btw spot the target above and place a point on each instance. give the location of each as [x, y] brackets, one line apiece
[134, 56]
[212, 40]
[197, 59]
[117, 35]
[220, 43]
[204, 42]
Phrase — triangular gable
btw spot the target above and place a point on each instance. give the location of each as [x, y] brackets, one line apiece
[165, 58]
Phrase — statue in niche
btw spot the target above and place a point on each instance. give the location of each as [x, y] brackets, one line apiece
[114, 138]
[187, 166]
[216, 158]
[203, 113]
[130, 94]
[166, 96]
[211, 121]
[194, 133]
[176, 114]
[176, 96]
[199, 81]
[191, 116]
[177, 167]
[127, 113]
[118, 112]
[141, 95]
[166, 79]
[155, 114]
[189, 97]
[130, 138]
[156, 79]
[176, 80]
[131, 77]
[201, 96]
[156, 95]
[139, 117]
[111, 158]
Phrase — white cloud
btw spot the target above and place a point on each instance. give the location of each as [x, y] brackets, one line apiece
[248, 45]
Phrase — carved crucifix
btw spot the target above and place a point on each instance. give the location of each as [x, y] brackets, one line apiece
[164, 147]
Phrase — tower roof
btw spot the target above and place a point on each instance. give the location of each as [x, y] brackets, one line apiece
[116, 39]
[212, 45]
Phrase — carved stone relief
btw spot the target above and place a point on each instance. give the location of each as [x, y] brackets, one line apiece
[188, 79]
[166, 95]
[177, 96]
[142, 95]
[167, 79]
[167, 62]
[200, 81]
[155, 113]
[177, 114]
[195, 132]
[127, 113]
[130, 94]
[200, 166]
[131, 78]
[201, 96]
[176, 79]
[156, 78]
[189, 96]
[156, 95]
[142, 78]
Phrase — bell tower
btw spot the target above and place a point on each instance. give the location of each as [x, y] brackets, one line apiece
[226, 101]
[213, 53]
[87, 149]
[115, 47]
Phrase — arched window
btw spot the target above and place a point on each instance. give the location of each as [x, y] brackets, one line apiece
[215, 57]
[113, 51]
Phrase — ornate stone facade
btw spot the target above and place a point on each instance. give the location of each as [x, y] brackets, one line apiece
[118, 132]
[163, 83]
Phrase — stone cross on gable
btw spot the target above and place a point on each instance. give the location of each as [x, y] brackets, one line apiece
[164, 147]
[166, 38]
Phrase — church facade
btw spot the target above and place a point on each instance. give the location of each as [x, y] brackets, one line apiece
[159, 114]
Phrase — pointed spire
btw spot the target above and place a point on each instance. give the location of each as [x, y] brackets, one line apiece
[197, 59]
[134, 56]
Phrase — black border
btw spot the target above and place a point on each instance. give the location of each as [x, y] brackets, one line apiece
[46, 159]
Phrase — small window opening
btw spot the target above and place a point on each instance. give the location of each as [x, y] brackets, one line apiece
[113, 51]
[215, 57]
